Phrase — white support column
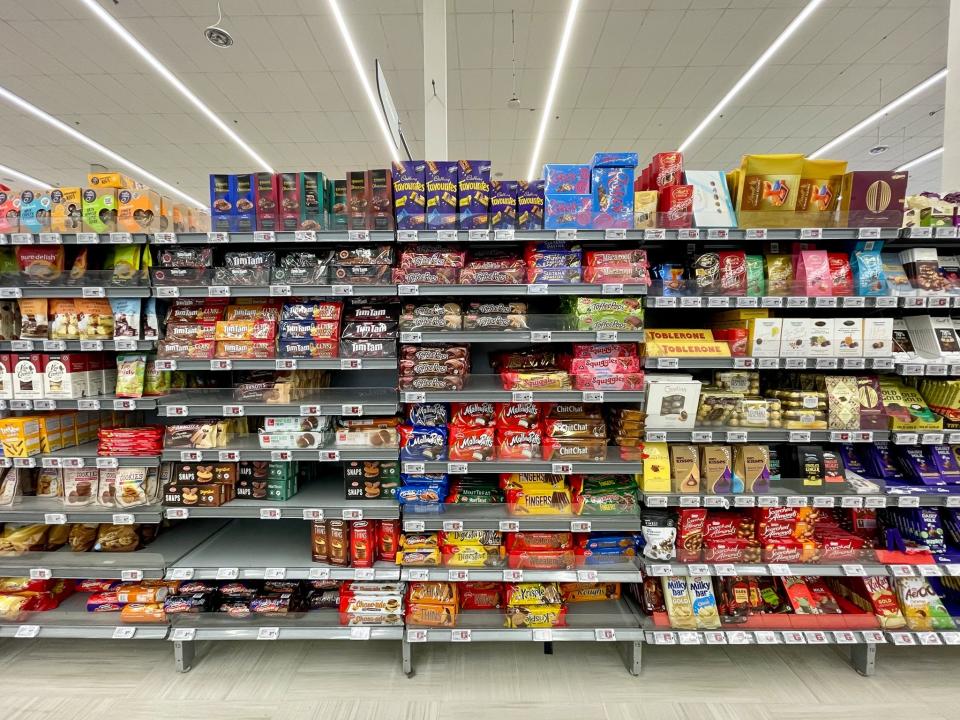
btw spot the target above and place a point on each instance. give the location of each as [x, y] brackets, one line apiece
[950, 173]
[435, 79]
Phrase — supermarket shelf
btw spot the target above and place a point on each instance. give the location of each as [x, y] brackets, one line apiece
[488, 388]
[772, 435]
[854, 302]
[103, 402]
[252, 550]
[118, 238]
[276, 290]
[62, 291]
[52, 511]
[667, 636]
[147, 563]
[248, 448]
[72, 621]
[543, 329]
[755, 363]
[621, 572]
[314, 625]
[279, 364]
[80, 456]
[75, 345]
[611, 620]
[717, 234]
[329, 401]
[315, 501]
[583, 289]
[269, 237]
[928, 368]
[921, 496]
[612, 464]
[455, 517]
[853, 568]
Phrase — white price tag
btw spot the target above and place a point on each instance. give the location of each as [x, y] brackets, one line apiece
[826, 363]
[91, 345]
[779, 569]
[541, 336]
[183, 634]
[770, 301]
[416, 635]
[452, 525]
[281, 291]
[543, 635]
[419, 574]
[744, 501]
[166, 364]
[718, 234]
[49, 238]
[122, 632]
[123, 519]
[509, 525]
[191, 456]
[854, 570]
[945, 231]
[88, 239]
[274, 573]
[607, 336]
[232, 410]
[840, 436]
[179, 573]
[739, 637]
[358, 235]
[929, 638]
[93, 292]
[744, 363]
[587, 576]
[566, 234]
[824, 501]
[175, 513]
[908, 501]
[21, 345]
[580, 526]
[668, 363]
[873, 636]
[478, 235]
[715, 501]
[655, 436]
[329, 456]
[407, 235]
[281, 456]
[305, 236]
[875, 502]
[796, 501]
[593, 396]
[799, 436]
[930, 570]
[654, 234]
[766, 637]
[853, 301]
[56, 345]
[351, 364]
[27, 462]
[736, 436]
[411, 337]
[793, 637]
[768, 501]
[937, 370]
[513, 576]
[661, 570]
[605, 635]
[824, 302]
[844, 637]
[120, 238]
[176, 410]
[264, 236]
[691, 302]
[269, 513]
[342, 290]
[688, 501]
[88, 405]
[164, 238]
[460, 635]
[457, 468]
[360, 633]
[40, 574]
[107, 463]
[715, 637]
[458, 575]
[564, 468]
[414, 468]
[952, 501]
[505, 235]
[44, 404]
[228, 455]
[655, 501]
[903, 638]
[718, 302]
[902, 570]
[755, 234]
[768, 363]
[611, 289]
[868, 233]
[664, 638]
[931, 439]
[951, 638]
[272, 633]
[537, 289]
[54, 519]
[27, 631]
[407, 289]
[414, 526]
[352, 514]
[851, 501]
[417, 397]
[445, 236]
[228, 573]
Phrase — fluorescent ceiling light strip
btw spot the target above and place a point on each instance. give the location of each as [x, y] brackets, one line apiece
[152, 179]
[754, 69]
[358, 66]
[532, 173]
[920, 160]
[112, 23]
[6, 170]
[888, 108]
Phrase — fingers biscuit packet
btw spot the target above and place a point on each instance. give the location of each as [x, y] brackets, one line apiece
[589, 592]
[431, 615]
[532, 593]
[539, 498]
[536, 616]
[432, 593]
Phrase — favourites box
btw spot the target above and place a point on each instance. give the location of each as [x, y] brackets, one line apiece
[441, 179]
[410, 194]
[530, 204]
[473, 193]
[503, 204]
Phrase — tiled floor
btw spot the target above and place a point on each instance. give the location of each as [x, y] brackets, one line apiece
[136, 680]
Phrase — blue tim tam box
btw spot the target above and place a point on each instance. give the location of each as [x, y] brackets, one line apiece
[410, 194]
[440, 178]
[473, 189]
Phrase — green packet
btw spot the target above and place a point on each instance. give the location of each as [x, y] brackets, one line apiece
[611, 321]
[756, 283]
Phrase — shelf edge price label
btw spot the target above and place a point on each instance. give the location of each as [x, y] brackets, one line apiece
[902, 570]
[411, 337]
[91, 345]
[779, 569]
[587, 576]
[768, 363]
[165, 238]
[655, 501]
[177, 410]
[264, 236]
[718, 302]
[755, 234]
[286, 364]
[274, 573]
[873, 636]
[414, 468]
[580, 526]
[611, 289]
[54, 519]
[509, 526]
[853, 570]
[698, 570]
[851, 501]
[665, 638]
[828, 301]
[929, 638]
[416, 635]
[795, 363]
[124, 404]
[191, 456]
[123, 632]
[736, 436]
[281, 456]
[351, 514]
[930, 570]
[228, 573]
[180, 573]
[854, 363]
[221, 364]
[715, 637]
[40, 574]
[513, 576]
[593, 396]
[27, 631]
[691, 302]
[844, 637]
[305, 236]
[414, 526]
[768, 501]
[49, 238]
[461, 635]
[218, 237]
[93, 292]
[605, 635]
[543, 635]
[452, 525]
[661, 570]
[228, 456]
[419, 574]
[654, 234]
[458, 575]
[826, 363]
[270, 633]
[232, 410]
[875, 501]
[903, 638]
[563, 468]
[478, 235]
[908, 501]
[537, 289]
[342, 290]
[771, 301]
[281, 291]
[798, 301]
[541, 336]
[715, 501]
[793, 637]
[665, 363]
[868, 233]
[853, 301]
[183, 634]
[329, 456]
[269, 513]
[689, 501]
[744, 501]
[518, 396]
[446, 235]
[744, 363]
[107, 463]
[655, 435]
[407, 289]
[175, 513]
[505, 235]
[824, 501]
[799, 436]
[360, 633]
[123, 519]
[457, 468]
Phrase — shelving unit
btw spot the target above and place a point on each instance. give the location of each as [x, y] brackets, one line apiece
[85, 455]
[71, 621]
[498, 517]
[248, 448]
[612, 464]
[479, 388]
[328, 401]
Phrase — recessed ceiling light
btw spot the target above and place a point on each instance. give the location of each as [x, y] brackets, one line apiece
[112, 23]
[754, 69]
[532, 173]
[920, 160]
[364, 80]
[17, 175]
[148, 176]
[888, 108]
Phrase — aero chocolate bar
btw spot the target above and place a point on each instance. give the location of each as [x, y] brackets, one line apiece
[530, 205]
[473, 189]
[441, 180]
[410, 194]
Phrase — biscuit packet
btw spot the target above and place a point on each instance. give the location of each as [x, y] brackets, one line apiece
[106, 488]
[131, 370]
[64, 319]
[156, 382]
[48, 483]
[126, 317]
[34, 324]
[130, 486]
[78, 270]
[95, 318]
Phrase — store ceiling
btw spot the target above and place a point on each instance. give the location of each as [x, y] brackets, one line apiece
[640, 75]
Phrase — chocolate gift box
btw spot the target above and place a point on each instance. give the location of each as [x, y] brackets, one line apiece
[380, 210]
[441, 179]
[612, 193]
[244, 216]
[358, 199]
[313, 214]
[267, 195]
[872, 199]
[568, 211]
[503, 204]
[530, 205]
[473, 191]
[288, 189]
[410, 194]
[561, 179]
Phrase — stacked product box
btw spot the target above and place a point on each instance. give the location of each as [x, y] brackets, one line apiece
[369, 329]
[310, 329]
[611, 187]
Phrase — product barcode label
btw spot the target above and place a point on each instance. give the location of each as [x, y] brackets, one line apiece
[264, 236]
[305, 236]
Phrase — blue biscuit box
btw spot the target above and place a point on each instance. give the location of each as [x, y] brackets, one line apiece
[614, 159]
[568, 211]
[612, 196]
[566, 179]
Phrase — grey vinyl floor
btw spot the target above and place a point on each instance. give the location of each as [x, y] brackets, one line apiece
[135, 680]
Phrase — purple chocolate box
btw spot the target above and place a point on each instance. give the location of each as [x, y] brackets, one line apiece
[566, 179]
[503, 204]
[441, 181]
[567, 211]
[409, 194]
[530, 205]
[473, 185]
